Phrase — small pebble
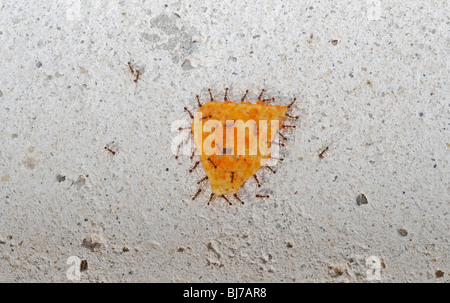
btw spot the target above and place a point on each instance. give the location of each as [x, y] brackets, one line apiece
[439, 273]
[60, 178]
[403, 232]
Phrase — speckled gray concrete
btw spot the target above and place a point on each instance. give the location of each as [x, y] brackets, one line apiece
[372, 80]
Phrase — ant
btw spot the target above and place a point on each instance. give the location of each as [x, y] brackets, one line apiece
[196, 195]
[205, 117]
[245, 96]
[205, 178]
[110, 150]
[195, 165]
[198, 101]
[260, 98]
[257, 181]
[189, 112]
[237, 198]
[322, 153]
[225, 98]
[215, 166]
[134, 71]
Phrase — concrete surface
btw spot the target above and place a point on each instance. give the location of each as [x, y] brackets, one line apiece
[372, 80]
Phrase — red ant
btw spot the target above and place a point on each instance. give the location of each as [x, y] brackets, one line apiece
[215, 166]
[195, 165]
[322, 153]
[196, 195]
[134, 71]
[110, 150]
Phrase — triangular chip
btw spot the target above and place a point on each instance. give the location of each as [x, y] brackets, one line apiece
[234, 140]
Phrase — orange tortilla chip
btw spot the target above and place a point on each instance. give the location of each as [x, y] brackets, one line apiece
[227, 161]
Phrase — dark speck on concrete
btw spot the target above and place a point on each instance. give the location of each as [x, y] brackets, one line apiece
[421, 114]
[39, 64]
[83, 265]
[361, 199]
[60, 178]
[439, 273]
